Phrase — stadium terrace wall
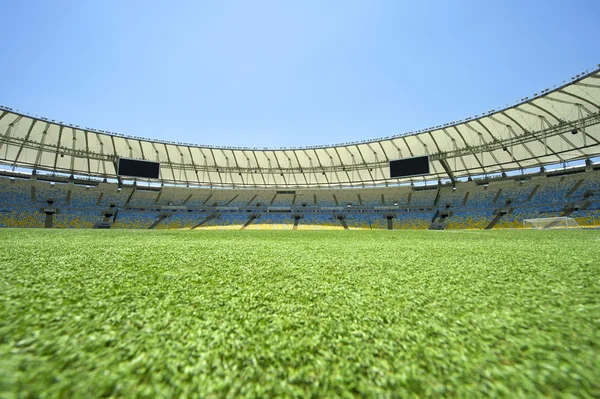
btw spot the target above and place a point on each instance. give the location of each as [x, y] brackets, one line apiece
[468, 205]
[554, 126]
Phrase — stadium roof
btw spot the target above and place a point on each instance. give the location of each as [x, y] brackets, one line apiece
[553, 126]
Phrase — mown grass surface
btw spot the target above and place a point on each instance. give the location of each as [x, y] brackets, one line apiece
[256, 313]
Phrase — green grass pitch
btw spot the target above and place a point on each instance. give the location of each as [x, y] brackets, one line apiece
[88, 313]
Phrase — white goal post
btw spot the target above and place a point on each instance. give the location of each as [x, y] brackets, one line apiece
[561, 222]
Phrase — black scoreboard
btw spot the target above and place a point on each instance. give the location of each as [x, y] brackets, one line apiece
[138, 168]
[409, 167]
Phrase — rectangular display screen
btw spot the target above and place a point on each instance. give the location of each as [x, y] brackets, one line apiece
[138, 168]
[407, 167]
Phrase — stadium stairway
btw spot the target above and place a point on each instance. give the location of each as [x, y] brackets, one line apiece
[158, 220]
[107, 215]
[130, 196]
[158, 197]
[580, 205]
[532, 193]
[495, 220]
[250, 220]
[575, 187]
[342, 219]
[440, 218]
[500, 212]
[206, 219]
[296, 221]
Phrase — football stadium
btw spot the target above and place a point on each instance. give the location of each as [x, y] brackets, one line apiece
[459, 260]
[139, 267]
[533, 160]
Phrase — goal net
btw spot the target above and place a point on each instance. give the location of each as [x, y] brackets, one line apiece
[562, 222]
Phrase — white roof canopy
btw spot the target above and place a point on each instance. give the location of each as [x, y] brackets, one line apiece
[553, 126]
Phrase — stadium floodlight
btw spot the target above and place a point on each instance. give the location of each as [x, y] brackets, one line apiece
[561, 222]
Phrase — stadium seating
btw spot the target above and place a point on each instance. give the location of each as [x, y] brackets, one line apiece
[113, 195]
[21, 217]
[472, 204]
[470, 219]
[412, 220]
[554, 190]
[370, 198]
[319, 221]
[227, 220]
[46, 190]
[143, 198]
[361, 220]
[395, 196]
[283, 200]
[241, 198]
[76, 219]
[135, 219]
[345, 197]
[587, 218]
[481, 197]
[261, 198]
[590, 182]
[326, 199]
[423, 198]
[198, 198]
[270, 220]
[518, 194]
[172, 196]
[451, 196]
[182, 220]
[13, 192]
[83, 197]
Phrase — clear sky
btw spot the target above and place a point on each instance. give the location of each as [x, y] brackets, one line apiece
[285, 73]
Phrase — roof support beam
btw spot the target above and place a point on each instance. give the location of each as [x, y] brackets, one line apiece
[470, 149]
[342, 165]
[102, 162]
[448, 170]
[73, 144]
[87, 149]
[193, 163]
[169, 161]
[369, 169]
[24, 141]
[299, 167]
[217, 169]
[112, 140]
[454, 148]
[9, 129]
[38, 157]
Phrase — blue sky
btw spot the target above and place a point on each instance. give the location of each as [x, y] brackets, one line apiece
[284, 73]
